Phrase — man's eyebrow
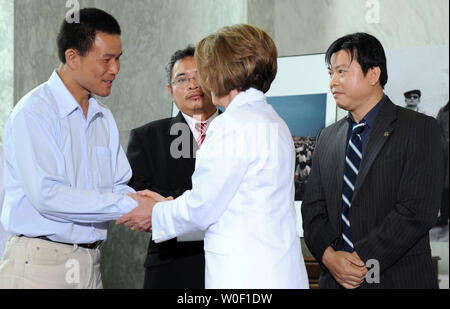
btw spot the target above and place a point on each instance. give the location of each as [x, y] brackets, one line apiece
[112, 55]
[186, 73]
[337, 67]
[180, 74]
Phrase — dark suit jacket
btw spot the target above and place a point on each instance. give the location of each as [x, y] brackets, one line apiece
[395, 201]
[177, 264]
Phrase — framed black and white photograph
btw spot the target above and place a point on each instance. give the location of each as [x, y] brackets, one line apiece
[419, 80]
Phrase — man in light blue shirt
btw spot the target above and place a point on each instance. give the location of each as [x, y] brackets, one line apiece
[65, 173]
[3, 235]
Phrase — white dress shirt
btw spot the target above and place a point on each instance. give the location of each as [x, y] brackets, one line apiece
[243, 197]
[3, 234]
[65, 175]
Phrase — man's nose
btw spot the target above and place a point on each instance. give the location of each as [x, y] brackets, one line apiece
[193, 84]
[115, 67]
[333, 80]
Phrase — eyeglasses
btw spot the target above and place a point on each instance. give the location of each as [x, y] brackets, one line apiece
[184, 80]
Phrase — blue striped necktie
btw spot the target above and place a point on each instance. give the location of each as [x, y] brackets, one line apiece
[352, 162]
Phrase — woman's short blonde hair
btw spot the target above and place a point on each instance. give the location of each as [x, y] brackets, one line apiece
[236, 57]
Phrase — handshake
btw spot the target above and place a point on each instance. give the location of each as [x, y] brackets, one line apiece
[140, 218]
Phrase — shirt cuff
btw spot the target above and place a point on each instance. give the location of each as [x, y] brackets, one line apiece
[127, 204]
[162, 228]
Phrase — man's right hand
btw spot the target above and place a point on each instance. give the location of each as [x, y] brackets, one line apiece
[346, 268]
[140, 218]
[157, 197]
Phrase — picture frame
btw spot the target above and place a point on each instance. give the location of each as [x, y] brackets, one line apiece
[423, 71]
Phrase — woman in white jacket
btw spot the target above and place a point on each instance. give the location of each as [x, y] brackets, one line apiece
[243, 186]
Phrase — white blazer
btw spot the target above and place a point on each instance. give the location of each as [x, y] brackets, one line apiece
[243, 198]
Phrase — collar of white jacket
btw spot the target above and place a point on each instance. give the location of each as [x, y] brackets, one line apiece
[248, 96]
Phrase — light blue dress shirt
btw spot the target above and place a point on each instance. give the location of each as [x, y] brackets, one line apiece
[65, 174]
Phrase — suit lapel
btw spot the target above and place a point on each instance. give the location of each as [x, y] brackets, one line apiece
[178, 119]
[339, 156]
[379, 134]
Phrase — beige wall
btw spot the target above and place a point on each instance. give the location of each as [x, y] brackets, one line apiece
[310, 26]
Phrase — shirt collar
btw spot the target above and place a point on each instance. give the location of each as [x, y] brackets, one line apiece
[191, 121]
[64, 99]
[370, 117]
[94, 109]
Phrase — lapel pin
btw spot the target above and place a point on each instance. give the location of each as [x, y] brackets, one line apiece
[387, 133]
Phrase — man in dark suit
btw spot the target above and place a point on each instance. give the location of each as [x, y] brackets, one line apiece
[443, 119]
[162, 157]
[372, 194]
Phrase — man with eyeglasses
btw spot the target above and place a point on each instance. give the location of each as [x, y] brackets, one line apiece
[412, 100]
[162, 157]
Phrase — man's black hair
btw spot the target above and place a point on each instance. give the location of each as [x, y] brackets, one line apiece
[178, 55]
[81, 36]
[363, 47]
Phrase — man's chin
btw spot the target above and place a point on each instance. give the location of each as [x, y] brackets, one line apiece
[341, 105]
[103, 93]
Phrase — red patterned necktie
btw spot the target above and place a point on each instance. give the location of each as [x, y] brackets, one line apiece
[201, 127]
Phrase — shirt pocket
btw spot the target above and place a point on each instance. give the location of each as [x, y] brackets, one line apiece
[105, 178]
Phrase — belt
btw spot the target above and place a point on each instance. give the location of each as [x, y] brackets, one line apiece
[94, 245]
